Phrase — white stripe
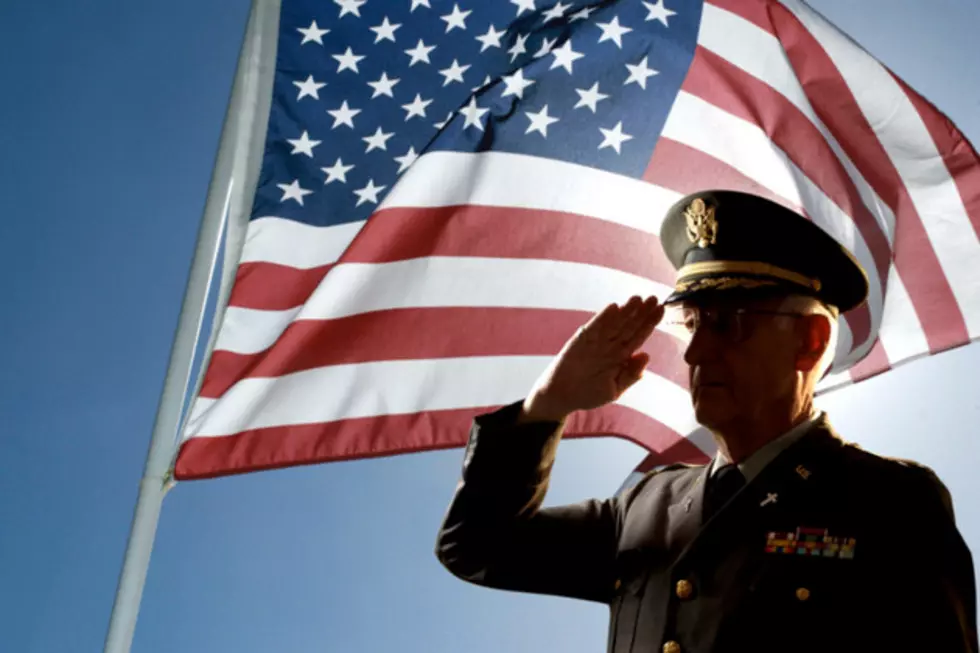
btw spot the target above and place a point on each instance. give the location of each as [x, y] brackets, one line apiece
[357, 288]
[401, 387]
[746, 147]
[760, 54]
[901, 332]
[905, 138]
[485, 178]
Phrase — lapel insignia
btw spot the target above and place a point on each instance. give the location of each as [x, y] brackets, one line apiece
[688, 503]
[814, 542]
[803, 472]
[770, 498]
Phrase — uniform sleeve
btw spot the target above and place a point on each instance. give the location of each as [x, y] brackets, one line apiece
[497, 535]
[943, 597]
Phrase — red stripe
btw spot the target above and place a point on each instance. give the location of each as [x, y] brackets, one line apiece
[389, 435]
[961, 159]
[481, 331]
[832, 100]
[482, 231]
[873, 364]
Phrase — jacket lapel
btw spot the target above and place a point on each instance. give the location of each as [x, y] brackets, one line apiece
[684, 513]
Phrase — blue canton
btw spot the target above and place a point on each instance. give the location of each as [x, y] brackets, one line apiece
[364, 87]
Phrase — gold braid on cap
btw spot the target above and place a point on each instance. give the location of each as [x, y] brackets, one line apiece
[730, 268]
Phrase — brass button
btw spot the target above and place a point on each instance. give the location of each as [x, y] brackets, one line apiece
[672, 647]
[684, 589]
[617, 584]
[803, 594]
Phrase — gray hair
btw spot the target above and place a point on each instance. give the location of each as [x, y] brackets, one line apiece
[806, 305]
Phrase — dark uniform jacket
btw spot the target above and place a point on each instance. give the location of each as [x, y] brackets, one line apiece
[829, 548]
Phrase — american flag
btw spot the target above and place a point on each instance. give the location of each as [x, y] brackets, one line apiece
[451, 188]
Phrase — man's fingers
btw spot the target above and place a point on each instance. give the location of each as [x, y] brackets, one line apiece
[651, 316]
[629, 316]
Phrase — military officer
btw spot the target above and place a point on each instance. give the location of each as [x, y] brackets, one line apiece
[790, 539]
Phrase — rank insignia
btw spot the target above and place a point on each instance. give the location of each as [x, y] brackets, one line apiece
[813, 542]
[702, 227]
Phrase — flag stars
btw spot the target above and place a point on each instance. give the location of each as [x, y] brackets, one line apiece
[350, 7]
[613, 31]
[565, 56]
[589, 97]
[443, 123]
[385, 31]
[416, 107]
[454, 73]
[473, 113]
[658, 12]
[293, 191]
[383, 86]
[377, 141]
[419, 3]
[348, 60]
[515, 84]
[369, 193]
[582, 14]
[540, 121]
[310, 87]
[419, 53]
[456, 18]
[313, 33]
[485, 82]
[337, 172]
[491, 39]
[519, 47]
[639, 73]
[303, 144]
[555, 12]
[546, 45]
[343, 115]
[523, 5]
[614, 137]
[406, 160]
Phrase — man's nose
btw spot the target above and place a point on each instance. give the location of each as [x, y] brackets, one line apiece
[698, 347]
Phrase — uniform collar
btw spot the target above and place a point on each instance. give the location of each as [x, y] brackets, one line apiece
[751, 466]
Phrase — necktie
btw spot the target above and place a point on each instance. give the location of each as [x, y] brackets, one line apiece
[722, 486]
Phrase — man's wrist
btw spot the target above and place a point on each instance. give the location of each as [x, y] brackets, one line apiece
[535, 410]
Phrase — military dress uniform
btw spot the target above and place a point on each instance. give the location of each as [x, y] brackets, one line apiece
[810, 544]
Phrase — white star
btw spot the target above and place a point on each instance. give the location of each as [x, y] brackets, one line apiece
[369, 193]
[564, 56]
[454, 73]
[456, 19]
[473, 114]
[440, 125]
[491, 39]
[555, 12]
[293, 191]
[310, 87]
[419, 53]
[377, 141]
[523, 5]
[350, 7]
[406, 160]
[343, 115]
[589, 98]
[416, 107]
[614, 137]
[303, 144]
[639, 73]
[383, 86]
[385, 31]
[613, 31]
[546, 45]
[583, 14]
[519, 47]
[419, 3]
[516, 84]
[347, 61]
[540, 121]
[312, 33]
[486, 80]
[658, 12]
[337, 172]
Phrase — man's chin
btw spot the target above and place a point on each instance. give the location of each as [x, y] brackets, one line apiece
[711, 414]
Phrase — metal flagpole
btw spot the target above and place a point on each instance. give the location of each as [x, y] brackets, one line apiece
[229, 197]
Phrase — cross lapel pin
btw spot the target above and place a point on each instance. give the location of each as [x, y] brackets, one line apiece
[771, 497]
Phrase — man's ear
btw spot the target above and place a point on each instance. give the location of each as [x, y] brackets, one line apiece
[815, 331]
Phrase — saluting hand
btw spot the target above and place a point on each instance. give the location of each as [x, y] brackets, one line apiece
[597, 364]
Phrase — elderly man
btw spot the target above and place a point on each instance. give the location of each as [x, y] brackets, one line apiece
[790, 539]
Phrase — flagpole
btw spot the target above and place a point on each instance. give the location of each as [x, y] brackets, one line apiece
[229, 197]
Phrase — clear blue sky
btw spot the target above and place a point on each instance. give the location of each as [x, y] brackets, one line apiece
[109, 120]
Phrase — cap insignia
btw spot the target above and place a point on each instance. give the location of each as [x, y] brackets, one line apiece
[702, 228]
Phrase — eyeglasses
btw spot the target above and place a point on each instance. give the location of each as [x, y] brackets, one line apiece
[729, 324]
